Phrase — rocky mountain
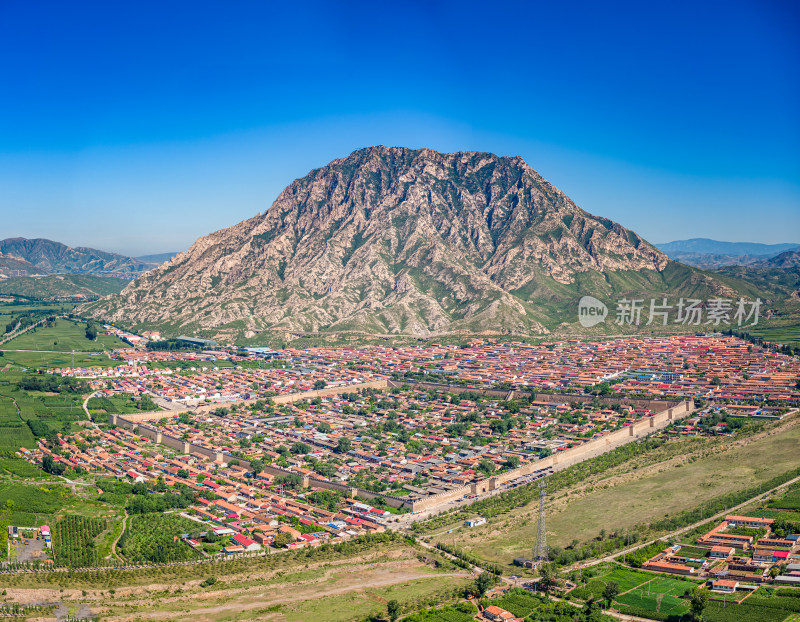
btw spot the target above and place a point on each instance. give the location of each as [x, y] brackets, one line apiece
[403, 241]
[50, 257]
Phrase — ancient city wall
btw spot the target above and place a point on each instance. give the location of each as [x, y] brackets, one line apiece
[563, 459]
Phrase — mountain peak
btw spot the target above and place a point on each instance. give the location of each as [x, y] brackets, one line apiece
[395, 240]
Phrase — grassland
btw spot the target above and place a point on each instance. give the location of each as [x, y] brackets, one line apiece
[8, 312]
[75, 286]
[65, 336]
[639, 496]
[51, 360]
[327, 585]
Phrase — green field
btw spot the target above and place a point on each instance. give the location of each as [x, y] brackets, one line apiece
[655, 602]
[150, 538]
[65, 336]
[119, 404]
[74, 541]
[519, 602]
[9, 312]
[33, 505]
[58, 411]
[57, 360]
[19, 468]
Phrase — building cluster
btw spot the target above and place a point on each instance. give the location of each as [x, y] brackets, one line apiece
[713, 367]
[738, 553]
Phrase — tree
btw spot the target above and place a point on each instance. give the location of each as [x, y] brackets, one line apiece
[393, 609]
[485, 466]
[281, 540]
[698, 603]
[484, 581]
[51, 466]
[546, 575]
[91, 331]
[299, 448]
[344, 445]
[256, 466]
[320, 384]
[611, 592]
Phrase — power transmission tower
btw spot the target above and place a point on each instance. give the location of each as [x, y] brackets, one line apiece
[540, 551]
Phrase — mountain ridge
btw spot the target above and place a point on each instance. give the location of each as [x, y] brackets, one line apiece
[395, 240]
[50, 257]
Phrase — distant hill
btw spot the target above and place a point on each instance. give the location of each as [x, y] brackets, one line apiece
[50, 257]
[407, 242]
[711, 254]
[11, 265]
[156, 259]
[76, 287]
[717, 247]
[787, 259]
[710, 261]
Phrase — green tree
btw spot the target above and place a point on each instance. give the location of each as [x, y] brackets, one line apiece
[299, 448]
[344, 445]
[611, 592]
[483, 582]
[256, 466]
[282, 539]
[91, 331]
[393, 609]
[698, 603]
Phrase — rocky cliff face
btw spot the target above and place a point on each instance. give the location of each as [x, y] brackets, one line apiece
[395, 240]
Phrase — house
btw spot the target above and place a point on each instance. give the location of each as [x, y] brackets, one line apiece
[723, 585]
[496, 614]
[475, 522]
[246, 543]
[762, 555]
[668, 567]
[722, 552]
[232, 550]
[748, 521]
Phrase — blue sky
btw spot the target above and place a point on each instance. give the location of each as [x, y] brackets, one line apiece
[138, 127]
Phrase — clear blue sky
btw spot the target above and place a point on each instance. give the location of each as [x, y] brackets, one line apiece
[139, 126]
